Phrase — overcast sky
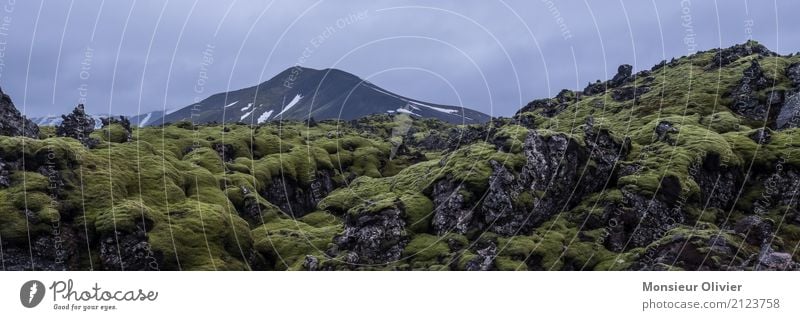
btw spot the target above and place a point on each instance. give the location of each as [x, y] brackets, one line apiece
[129, 57]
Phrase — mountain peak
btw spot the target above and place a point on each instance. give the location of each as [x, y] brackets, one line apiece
[300, 93]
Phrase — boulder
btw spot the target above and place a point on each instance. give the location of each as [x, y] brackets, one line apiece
[623, 74]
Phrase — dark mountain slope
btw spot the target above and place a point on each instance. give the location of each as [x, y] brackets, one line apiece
[301, 93]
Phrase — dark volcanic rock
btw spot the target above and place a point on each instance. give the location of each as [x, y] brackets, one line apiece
[12, 123]
[78, 125]
[605, 150]
[755, 229]
[311, 263]
[693, 254]
[761, 136]
[295, 199]
[768, 259]
[663, 130]
[638, 221]
[629, 93]
[623, 73]
[57, 251]
[551, 173]
[718, 184]
[484, 257]
[502, 211]
[374, 237]
[745, 99]
[552, 107]
[6, 167]
[452, 213]
[594, 88]
[789, 114]
[793, 73]
[226, 152]
[129, 251]
[780, 188]
[724, 57]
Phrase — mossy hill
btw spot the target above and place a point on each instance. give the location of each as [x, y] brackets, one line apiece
[692, 165]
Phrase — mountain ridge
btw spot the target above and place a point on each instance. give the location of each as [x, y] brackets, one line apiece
[300, 93]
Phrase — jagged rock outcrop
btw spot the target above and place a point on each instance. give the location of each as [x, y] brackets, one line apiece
[745, 97]
[724, 57]
[374, 237]
[553, 169]
[12, 123]
[452, 213]
[79, 126]
[623, 73]
[551, 107]
[504, 210]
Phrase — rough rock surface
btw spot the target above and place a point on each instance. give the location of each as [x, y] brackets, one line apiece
[629, 93]
[552, 171]
[717, 183]
[502, 213]
[57, 251]
[374, 237]
[128, 250]
[299, 199]
[639, 220]
[452, 213]
[484, 257]
[789, 115]
[724, 57]
[12, 123]
[78, 125]
[663, 131]
[745, 99]
[761, 136]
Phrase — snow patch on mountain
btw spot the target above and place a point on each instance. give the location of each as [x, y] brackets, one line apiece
[246, 115]
[406, 111]
[291, 104]
[233, 103]
[264, 116]
[145, 120]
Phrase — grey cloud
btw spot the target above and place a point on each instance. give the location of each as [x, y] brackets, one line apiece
[542, 71]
